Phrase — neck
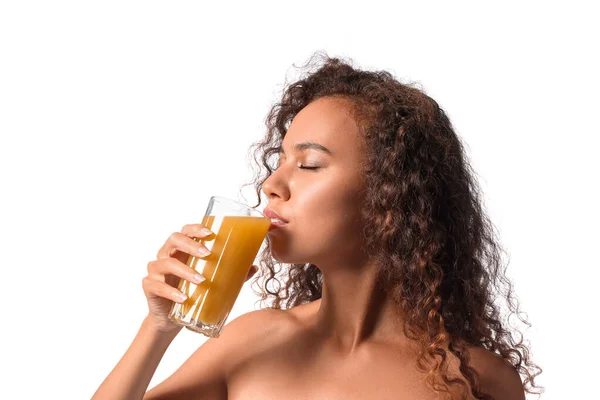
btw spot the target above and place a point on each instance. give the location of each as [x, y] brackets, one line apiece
[354, 309]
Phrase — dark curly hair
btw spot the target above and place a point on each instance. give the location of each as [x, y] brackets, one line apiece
[425, 224]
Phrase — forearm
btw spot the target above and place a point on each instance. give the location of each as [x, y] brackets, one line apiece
[131, 376]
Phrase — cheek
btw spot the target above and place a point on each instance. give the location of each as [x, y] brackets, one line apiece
[325, 218]
[324, 207]
[326, 221]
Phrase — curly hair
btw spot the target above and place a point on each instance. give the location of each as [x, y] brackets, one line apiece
[425, 224]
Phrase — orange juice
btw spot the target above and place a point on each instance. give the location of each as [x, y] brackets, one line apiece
[233, 250]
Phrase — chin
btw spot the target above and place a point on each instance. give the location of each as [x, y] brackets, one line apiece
[283, 250]
[286, 257]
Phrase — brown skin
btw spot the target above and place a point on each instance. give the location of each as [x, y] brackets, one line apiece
[324, 226]
[294, 362]
[348, 344]
[129, 379]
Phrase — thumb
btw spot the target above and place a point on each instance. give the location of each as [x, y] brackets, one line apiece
[251, 272]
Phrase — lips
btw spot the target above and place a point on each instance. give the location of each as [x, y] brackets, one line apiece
[276, 225]
[273, 215]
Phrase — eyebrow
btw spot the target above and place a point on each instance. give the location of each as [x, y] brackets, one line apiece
[308, 145]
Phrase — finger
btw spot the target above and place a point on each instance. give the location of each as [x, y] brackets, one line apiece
[197, 231]
[160, 269]
[184, 244]
[190, 230]
[154, 288]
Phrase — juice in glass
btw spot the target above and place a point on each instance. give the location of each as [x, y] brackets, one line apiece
[234, 245]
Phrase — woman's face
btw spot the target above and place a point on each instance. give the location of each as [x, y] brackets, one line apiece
[322, 205]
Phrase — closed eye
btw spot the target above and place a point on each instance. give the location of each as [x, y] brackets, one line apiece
[300, 166]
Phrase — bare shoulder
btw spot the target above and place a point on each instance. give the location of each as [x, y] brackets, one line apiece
[252, 330]
[496, 375]
[257, 324]
[253, 333]
[206, 370]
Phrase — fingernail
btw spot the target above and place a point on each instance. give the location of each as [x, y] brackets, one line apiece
[197, 278]
[182, 297]
[205, 232]
[203, 252]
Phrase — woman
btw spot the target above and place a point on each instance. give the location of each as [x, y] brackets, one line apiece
[391, 265]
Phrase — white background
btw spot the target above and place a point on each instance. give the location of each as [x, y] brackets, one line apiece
[119, 119]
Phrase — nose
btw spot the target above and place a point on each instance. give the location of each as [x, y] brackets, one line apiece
[276, 185]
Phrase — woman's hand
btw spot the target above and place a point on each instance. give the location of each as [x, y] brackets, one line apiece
[160, 286]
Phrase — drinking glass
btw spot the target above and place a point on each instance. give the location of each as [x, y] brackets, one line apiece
[238, 232]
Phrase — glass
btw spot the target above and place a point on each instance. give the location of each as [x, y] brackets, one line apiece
[238, 232]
